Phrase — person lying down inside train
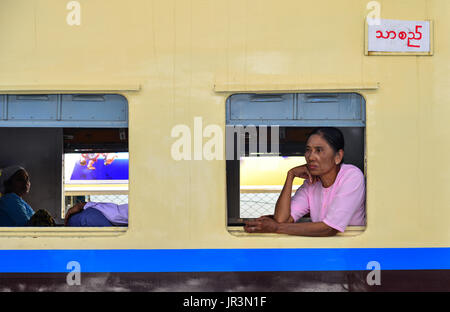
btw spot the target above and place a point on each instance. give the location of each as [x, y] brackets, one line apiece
[333, 193]
[97, 214]
[14, 211]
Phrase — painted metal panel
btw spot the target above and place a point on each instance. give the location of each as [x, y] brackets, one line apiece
[32, 107]
[93, 107]
[224, 260]
[309, 110]
[56, 110]
[329, 106]
[255, 49]
[261, 106]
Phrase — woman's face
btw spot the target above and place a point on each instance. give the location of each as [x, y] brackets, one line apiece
[320, 156]
[20, 183]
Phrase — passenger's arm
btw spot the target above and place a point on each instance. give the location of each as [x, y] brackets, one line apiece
[268, 225]
[317, 229]
[75, 209]
[283, 206]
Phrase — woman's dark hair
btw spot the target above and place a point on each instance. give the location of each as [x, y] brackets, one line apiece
[333, 136]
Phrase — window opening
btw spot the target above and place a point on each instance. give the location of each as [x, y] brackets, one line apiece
[50, 135]
[255, 174]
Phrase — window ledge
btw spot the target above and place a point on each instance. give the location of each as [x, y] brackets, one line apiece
[239, 232]
[245, 88]
[62, 231]
[69, 88]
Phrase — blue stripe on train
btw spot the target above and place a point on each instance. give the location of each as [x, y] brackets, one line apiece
[223, 260]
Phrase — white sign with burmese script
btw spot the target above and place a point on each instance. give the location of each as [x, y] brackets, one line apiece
[398, 36]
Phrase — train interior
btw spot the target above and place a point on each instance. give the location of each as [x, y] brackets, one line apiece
[51, 136]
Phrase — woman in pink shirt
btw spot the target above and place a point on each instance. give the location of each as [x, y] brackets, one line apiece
[333, 193]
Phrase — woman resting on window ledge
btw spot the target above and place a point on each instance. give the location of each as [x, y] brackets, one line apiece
[333, 193]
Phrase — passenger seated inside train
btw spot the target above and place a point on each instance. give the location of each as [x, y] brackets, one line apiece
[14, 211]
[97, 214]
[333, 193]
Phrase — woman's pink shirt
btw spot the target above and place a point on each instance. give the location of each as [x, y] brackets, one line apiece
[339, 205]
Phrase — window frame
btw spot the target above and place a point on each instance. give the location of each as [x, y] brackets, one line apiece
[234, 222]
[58, 120]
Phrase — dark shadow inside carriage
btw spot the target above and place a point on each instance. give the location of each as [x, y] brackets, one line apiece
[277, 126]
[57, 137]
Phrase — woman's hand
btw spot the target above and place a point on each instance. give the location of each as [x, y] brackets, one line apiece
[303, 173]
[75, 209]
[261, 225]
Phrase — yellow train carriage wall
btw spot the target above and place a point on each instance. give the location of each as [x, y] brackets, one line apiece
[176, 63]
